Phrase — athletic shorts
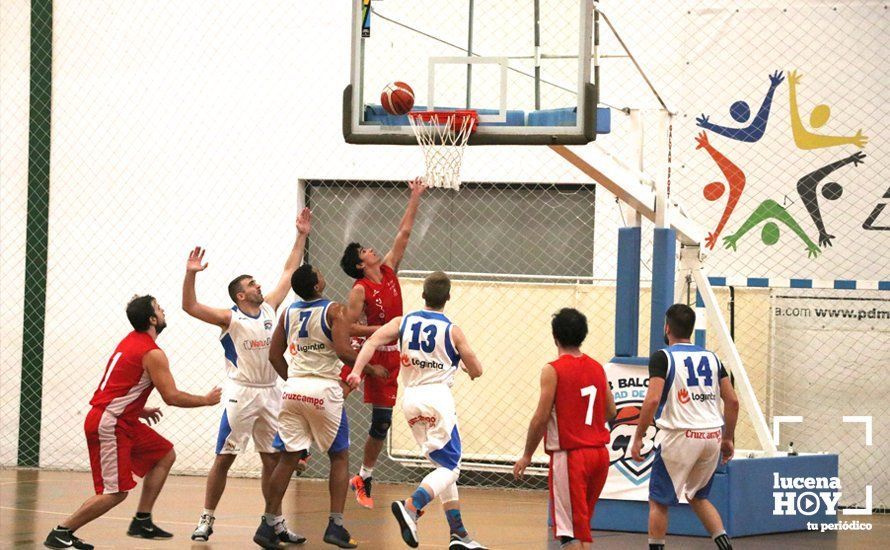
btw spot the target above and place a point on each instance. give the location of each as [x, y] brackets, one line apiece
[119, 448]
[684, 464]
[381, 392]
[313, 412]
[248, 413]
[432, 417]
[576, 480]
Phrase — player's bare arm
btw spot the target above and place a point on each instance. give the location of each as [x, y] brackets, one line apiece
[277, 348]
[215, 316]
[647, 415]
[538, 425]
[355, 304]
[471, 363]
[394, 257]
[294, 259]
[386, 333]
[611, 408]
[730, 417]
[340, 322]
[157, 366]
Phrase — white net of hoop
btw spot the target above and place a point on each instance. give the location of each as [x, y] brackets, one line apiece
[443, 140]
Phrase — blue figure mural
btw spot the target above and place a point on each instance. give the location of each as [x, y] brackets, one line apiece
[741, 112]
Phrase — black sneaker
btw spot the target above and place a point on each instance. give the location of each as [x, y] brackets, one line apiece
[146, 529]
[338, 536]
[265, 536]
[407, 524]
[64, 538]
[287, 536]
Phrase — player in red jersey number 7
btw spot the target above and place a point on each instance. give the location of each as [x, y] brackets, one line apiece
[377, 294]
[575, 404]
[119, 444]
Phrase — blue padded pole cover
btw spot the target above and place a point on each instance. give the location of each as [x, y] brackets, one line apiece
[627, 293]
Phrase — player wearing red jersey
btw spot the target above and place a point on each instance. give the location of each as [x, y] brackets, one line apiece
[575, 404]
[119, 444]
[377, 294]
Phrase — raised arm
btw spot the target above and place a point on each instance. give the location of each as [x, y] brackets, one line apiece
[215, 316]
[472, 365]
[278, 347]
[355, 303]
[538, 425]
[394, 257]
[158, 367]
[294, 259]
[384, 334]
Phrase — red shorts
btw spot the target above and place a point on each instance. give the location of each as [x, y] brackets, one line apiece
[380, 391]
[119, 448]
[576, 480]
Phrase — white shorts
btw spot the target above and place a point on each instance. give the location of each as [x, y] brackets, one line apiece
[312, 411]
[249, 412]
[432, 417]
[684, 465]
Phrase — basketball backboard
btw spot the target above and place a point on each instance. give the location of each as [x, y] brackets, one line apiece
[525, 67]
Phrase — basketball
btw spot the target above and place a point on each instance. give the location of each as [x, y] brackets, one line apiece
[397, 98]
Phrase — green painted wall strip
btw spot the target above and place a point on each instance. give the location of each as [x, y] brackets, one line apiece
[37, 232]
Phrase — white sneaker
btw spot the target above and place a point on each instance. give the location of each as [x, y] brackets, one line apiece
[407, 524]
[467, 543]
[204, 528]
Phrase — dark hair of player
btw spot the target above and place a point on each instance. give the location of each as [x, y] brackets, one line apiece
[436, 290]
[303, 281]
[235, 286]
[569, 327]
[681, 320]
[139, 311]
[351, 259]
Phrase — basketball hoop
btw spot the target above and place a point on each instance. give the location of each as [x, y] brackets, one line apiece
[443, 137]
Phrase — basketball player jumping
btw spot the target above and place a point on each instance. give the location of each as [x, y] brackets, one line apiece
[119, 444]
[315, 331]
[575, 404]
[686, 383]
[250, 396]
[432, 348]
[377, 294]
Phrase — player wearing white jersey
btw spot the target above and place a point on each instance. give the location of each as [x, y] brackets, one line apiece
[685, 384]
[315, 333]
[432, 348]
[250, 395]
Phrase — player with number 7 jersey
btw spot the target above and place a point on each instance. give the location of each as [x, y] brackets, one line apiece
[575, 404]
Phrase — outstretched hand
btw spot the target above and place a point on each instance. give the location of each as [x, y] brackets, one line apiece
[703, 121]
[417, 186]
[857, 158]
[825, 239]
[729, 242]
[702, 140]
[194, 263]
[859, 140]
[776, 78]
[711, 240]
[304, 221]
[794, 77]
[813, 250]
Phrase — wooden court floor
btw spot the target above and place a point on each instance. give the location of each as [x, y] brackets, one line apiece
[32, 502]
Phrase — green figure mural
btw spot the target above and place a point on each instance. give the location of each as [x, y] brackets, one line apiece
[771, 210]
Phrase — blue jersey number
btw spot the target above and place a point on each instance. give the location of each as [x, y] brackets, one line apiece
[429, 344]
[703, 370]
[304, 320]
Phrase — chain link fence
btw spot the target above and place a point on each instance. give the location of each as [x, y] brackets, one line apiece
[211, 124]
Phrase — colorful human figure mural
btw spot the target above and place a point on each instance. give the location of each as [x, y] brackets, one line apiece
[806, 188]
[803, 138]
[771, 210]
[741, 112]
[714, 190]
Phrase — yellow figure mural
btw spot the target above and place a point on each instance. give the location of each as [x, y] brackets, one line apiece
[805, 139]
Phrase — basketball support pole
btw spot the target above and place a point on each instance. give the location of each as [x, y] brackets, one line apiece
[672, 226]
